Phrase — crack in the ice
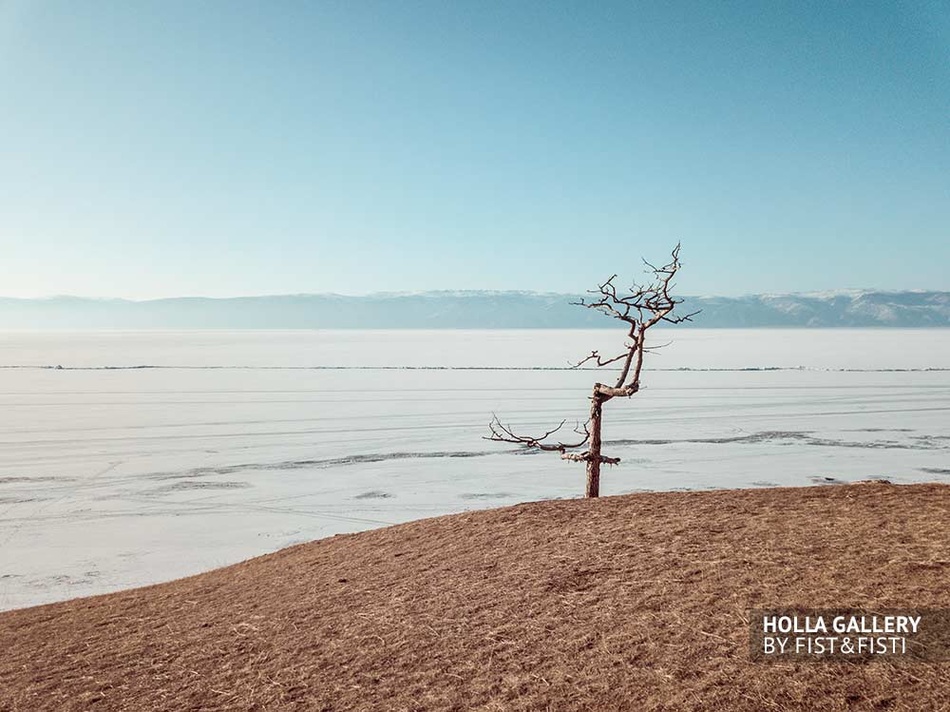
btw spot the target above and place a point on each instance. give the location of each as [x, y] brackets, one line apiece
[320, 464]
[782, 437]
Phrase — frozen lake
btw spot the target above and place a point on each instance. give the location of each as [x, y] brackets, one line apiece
[153, 455]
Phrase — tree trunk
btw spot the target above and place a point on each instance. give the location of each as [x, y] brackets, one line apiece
[593, 456]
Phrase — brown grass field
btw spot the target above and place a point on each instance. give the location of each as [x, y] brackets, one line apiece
[637, 602]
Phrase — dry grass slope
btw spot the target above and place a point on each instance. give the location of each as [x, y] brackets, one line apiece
[624, 603]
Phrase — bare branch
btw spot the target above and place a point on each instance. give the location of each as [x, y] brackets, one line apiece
[644, 307]
[616, 392]
[651, 302]
[595, 356]
[585, 457]
[680, 319]
[503, 433]
[576, 456]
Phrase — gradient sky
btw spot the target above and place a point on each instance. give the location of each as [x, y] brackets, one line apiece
[225, 148]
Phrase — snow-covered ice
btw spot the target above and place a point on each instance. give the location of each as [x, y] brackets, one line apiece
[153, 455]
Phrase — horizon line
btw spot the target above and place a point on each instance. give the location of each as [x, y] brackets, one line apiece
[844, 291]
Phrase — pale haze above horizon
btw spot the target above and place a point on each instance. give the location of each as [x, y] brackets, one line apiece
[170, 148]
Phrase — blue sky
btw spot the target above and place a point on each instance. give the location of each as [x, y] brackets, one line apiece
[227, 148]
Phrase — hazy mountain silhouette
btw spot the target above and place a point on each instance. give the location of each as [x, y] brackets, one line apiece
[464, 310]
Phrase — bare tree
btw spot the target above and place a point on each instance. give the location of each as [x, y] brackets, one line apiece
[642, 307]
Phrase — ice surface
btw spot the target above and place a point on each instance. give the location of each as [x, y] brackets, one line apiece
[239, 443]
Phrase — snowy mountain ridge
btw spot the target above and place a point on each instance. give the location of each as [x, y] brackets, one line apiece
[469, 309]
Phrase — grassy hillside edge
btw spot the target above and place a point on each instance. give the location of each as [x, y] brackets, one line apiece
[632, 602]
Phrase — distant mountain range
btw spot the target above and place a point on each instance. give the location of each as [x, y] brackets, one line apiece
[465, 310]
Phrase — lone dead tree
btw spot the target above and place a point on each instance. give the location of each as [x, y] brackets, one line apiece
[642, 307]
